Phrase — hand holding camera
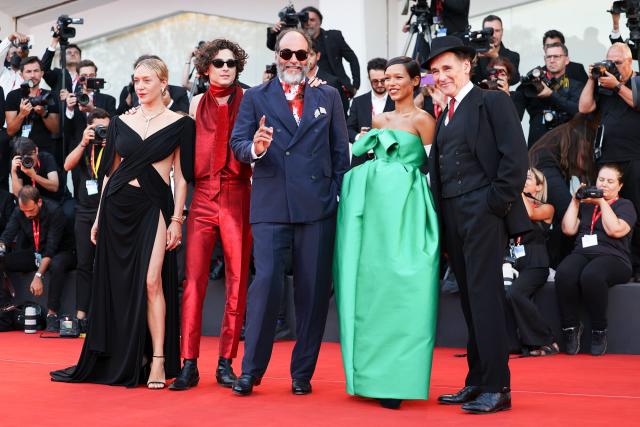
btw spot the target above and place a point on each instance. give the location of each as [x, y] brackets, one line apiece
[591, 195]
[72, 101]
[25, 108]
[95, 135]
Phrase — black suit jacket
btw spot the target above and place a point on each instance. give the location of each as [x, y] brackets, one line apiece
[361, 112]
[495, 137]
[576, 71]
[52, 76]
[335, 49]
[177, 93]
[455, 15]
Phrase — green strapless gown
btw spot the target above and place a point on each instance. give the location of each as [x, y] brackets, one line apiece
[385, 269]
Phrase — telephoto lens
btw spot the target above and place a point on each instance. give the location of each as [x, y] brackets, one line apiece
[30, 320]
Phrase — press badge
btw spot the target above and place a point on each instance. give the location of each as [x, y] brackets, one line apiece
[92, 187]
[518, 251]
[26, 130]
[589, 240]
[38, 259]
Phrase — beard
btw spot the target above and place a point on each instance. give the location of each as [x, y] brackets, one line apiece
[292, 78]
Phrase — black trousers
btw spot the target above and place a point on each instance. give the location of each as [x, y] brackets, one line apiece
[24, 261]
[475, 240]
[631, 190]
[588, 278]
[533, 329]
[559, 245]
[85, 251]
[312, 246]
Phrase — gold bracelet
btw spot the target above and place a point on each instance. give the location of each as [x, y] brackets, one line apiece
[178, 219]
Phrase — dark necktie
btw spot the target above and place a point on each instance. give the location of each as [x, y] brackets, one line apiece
[452, 104]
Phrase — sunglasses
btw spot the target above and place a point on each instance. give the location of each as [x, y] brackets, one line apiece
[219, 63]
[286, 54]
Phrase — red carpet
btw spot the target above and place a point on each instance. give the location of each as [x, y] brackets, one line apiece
[551, 391]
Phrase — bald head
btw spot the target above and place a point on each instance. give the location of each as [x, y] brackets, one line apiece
[620, 54]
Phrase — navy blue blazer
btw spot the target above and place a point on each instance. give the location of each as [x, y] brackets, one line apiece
[298, 179]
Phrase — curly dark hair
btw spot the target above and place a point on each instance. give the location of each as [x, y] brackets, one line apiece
[209, 50]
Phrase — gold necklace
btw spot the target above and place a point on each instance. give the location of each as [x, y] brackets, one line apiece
[148, 119]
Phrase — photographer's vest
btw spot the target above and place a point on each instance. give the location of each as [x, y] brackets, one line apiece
[460, 170]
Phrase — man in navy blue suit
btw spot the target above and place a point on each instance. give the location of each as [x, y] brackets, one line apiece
[296, 135]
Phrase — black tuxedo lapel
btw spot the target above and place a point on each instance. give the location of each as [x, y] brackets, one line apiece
[275, 97]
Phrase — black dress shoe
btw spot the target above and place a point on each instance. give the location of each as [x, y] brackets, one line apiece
[243, 386]
[390, 403]
[571, 338]
[598, 342]
[467, 394]
[53, 323]
[487, 403]
[224, 372]
[188, 376]
[300, 387]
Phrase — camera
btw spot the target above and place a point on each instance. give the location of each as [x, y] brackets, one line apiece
[62, 30]
[492, 82]
[532, 82]
[15, 61]
[271, 69]
[553, 118]
[589, 193]
[43, 100]
[100, 132]
[601, 68]
[28, 161]
[92, 82]
[291, 18]
[479, 40]
[22, 46]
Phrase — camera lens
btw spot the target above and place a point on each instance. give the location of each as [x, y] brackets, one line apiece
[83, 99]
[27, 162]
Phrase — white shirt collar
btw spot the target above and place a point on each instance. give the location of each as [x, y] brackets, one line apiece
[463, 92]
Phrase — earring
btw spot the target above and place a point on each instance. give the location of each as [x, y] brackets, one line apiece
[164, 91]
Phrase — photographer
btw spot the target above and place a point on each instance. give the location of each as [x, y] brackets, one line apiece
[42, 244]
[14, 48]
[609, 92]
[85, 100]
[602, 221]
[32, 112]
[531, 260]
[175, 99]
[37, 168]
[73, 56]
[499, 73]
[497, 50]
[575, 70]
[83, 162]
[551, 98]
[370, 104]
[332, 48]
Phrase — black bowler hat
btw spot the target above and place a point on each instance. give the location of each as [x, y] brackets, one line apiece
[440, 45]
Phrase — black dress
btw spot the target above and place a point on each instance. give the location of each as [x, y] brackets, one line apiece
[118, 349]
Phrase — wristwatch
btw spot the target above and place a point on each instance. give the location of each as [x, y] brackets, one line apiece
[38, 275]
[618, 87]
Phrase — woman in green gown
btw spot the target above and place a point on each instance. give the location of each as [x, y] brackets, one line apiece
[385, 266]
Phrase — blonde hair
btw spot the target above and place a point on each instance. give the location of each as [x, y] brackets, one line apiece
[156, 65]
[540, 180]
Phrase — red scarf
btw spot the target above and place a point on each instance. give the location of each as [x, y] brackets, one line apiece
[214, 122]
[297, 103]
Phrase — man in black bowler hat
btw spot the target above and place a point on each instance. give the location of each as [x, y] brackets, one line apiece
[478, 167]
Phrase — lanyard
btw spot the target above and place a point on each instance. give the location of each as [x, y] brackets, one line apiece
[36, 167]
[596, 215]
[36, 234]
[95, 165]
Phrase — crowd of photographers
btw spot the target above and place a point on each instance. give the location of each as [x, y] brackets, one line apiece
[582, 121]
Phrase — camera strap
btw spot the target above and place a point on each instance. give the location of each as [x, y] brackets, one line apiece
[596, 215]
[95, 163]
[36, 234]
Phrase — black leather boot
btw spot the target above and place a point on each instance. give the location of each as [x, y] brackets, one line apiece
[188, 376]
[224, 372]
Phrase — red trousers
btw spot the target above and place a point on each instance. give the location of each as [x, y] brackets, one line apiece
[226, 215]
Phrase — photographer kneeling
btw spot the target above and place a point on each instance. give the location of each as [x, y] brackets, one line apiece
[42, 244]
[83, 162]
[30, 166]
[602, 221]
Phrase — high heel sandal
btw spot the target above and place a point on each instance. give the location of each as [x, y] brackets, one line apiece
[153, 385]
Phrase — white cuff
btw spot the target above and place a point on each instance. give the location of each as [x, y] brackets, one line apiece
[357, 137]
[51, 49]
[69, 114]
[615, 35]
[254, 156]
